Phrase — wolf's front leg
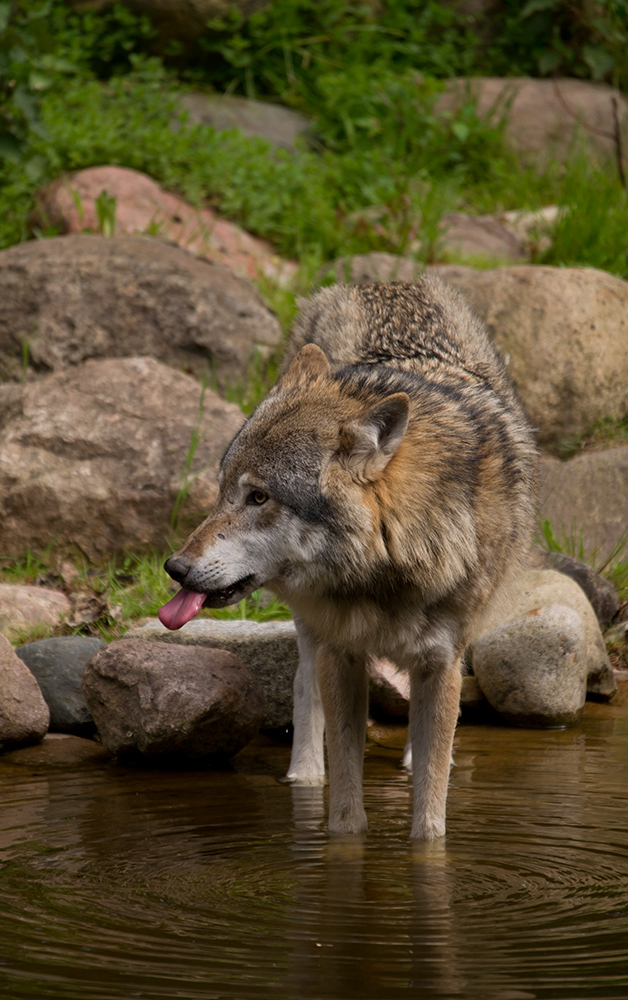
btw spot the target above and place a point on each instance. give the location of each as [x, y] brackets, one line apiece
[434, 705]
[307, 763]
[344, 690]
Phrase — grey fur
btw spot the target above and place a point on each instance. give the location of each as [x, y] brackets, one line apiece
[400, 474]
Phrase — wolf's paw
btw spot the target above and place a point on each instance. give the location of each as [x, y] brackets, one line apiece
[348, 822]
[425, 829]
[303, 780]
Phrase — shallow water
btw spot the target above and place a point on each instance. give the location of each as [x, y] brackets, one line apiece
[120, 883]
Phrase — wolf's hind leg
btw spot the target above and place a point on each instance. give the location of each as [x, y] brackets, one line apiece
[344, 690]
[307, 763]
[434, 705]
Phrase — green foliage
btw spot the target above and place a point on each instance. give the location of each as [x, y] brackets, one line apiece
[285, 49]
[583, 38]
[593, 229]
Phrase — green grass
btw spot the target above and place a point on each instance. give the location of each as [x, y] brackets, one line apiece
[122, 592]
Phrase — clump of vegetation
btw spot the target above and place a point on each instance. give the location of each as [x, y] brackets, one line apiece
[368, 77]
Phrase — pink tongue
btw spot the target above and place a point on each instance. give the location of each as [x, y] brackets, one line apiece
[181, 608]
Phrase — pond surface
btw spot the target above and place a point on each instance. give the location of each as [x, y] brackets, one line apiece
[118, 883]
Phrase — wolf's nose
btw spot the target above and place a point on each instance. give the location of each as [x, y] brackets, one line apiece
[177, 567]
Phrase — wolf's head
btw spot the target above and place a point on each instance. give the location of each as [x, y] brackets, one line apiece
[296, 493]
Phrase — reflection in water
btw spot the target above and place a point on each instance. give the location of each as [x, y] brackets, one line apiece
[117, 883]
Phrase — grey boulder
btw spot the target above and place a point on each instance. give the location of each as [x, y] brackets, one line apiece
[94, 456]
[171, 703]
[269, 650]
[533, 668]
[24, 715]
[539, 589]
[562, 332]
[57, 665]
[70, 298]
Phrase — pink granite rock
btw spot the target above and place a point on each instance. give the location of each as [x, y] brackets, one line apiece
[141, 206]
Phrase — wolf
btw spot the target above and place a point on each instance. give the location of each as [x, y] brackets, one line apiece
[385, 489]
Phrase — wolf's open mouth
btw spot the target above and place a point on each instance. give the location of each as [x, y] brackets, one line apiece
[218, 598]
[187, 603]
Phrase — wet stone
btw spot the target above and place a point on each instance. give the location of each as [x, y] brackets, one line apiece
[533, 668]
[57, 665]
[171, 703]
[24, 715]
[269, 650]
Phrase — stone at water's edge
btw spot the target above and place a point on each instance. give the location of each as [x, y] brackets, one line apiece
[533, 669]
[57, 665]
[22, 607]
[269, 650]
[92, 456]
[168, 702]
[72, 298]
[539, 589]
[24, 715]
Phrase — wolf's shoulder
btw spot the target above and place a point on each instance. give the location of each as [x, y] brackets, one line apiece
[420, 325]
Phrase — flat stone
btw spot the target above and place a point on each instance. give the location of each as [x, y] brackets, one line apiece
[532, 669]
[268, 649]
[279, 125]
[22, 607]
[480, 236]
[167, 702]
[24, 715]
[57, 665]
[59, 751]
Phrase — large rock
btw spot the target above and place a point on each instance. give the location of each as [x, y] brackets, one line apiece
[168, 702]
[532, 668]
[57, 665]
[71, 298]
[539, 589]
[281, 126]
[584, 500]
[269, 650]
[544, 116]
[480, 236]
[23, 607]
[24, 715]
[93, 456]
[142, 207]
[563, 333]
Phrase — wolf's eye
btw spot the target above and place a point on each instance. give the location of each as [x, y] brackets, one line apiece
[256, 498]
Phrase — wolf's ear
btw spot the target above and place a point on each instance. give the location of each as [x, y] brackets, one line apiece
[368, 444]
[309, 365]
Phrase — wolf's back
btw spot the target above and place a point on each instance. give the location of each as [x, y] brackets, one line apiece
[469, 431]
